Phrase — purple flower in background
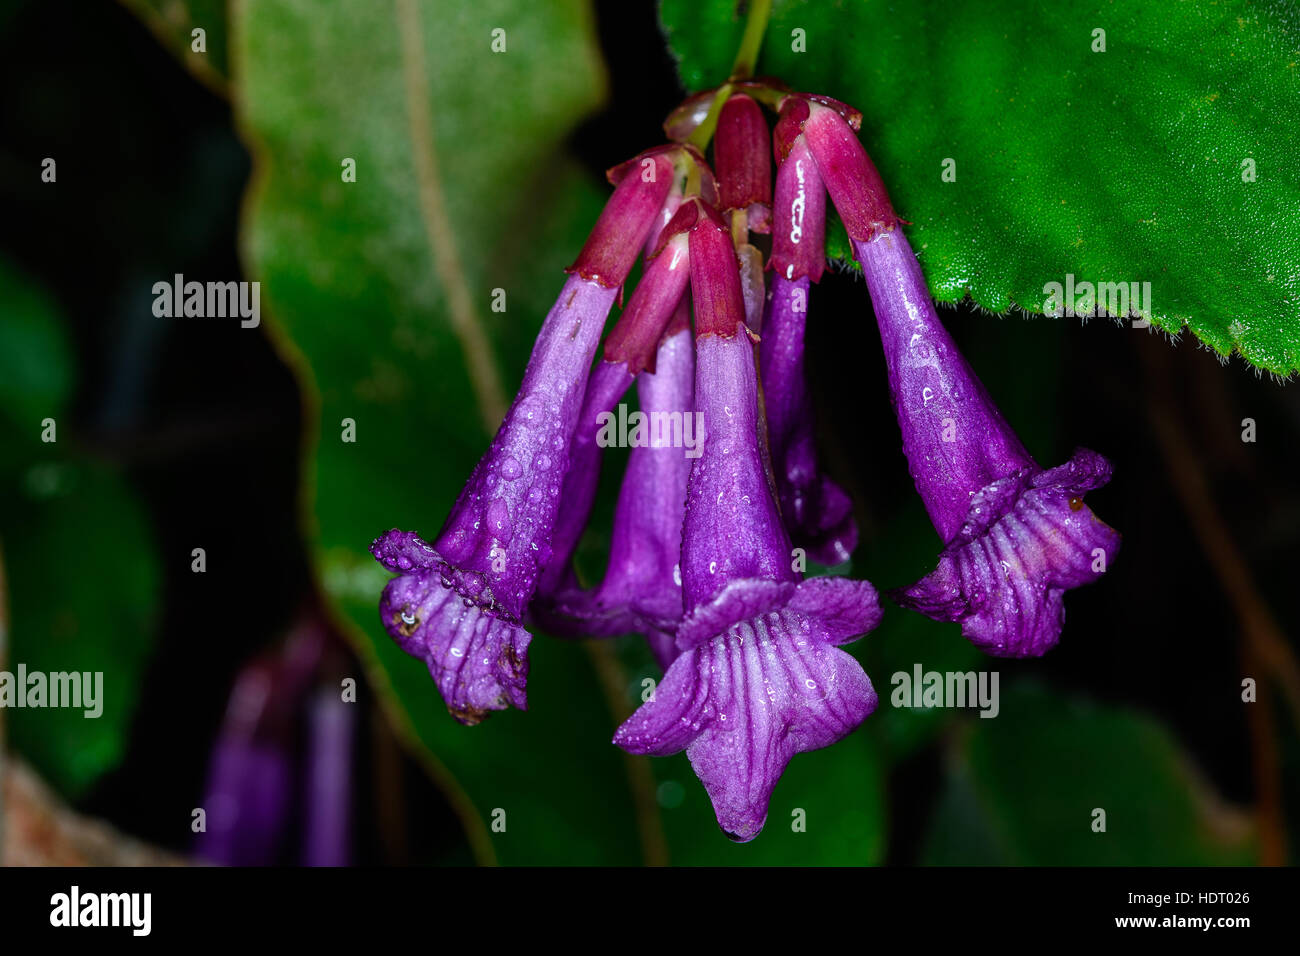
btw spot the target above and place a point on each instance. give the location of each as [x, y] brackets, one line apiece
[249, 792]
[458, 604]
[258, 789]
[758, 677]
[818, 514]
[1016, 536]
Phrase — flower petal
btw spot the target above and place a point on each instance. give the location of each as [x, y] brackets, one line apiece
[1005, 575]
[477, 657]
[736, 601]
[745, 703]
[845, 608]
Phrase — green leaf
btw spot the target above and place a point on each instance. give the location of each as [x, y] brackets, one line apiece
[1118, 166]
[1025, 786]
[383, 289]
[82, 575]
[173, 22]
[36, 365]
[827, 810]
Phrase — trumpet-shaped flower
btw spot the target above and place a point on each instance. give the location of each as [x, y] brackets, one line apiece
[1016, 536]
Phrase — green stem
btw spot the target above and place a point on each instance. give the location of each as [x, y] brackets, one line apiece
[755, 27]
[704, 132]
[741, 69]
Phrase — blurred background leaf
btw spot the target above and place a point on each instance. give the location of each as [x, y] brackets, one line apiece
[1117, 166]
[83, 576]
[384, 286]
[173, 22]
[1024, 789]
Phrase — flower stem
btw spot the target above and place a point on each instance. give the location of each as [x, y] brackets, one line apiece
[704, 132]
[741, 69]
[755, 28]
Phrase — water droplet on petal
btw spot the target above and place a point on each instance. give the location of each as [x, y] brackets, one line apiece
[498, 517]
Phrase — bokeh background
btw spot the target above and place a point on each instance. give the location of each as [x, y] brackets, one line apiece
[223, 688]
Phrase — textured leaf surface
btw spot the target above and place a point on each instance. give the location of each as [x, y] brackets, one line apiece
[1121, 166]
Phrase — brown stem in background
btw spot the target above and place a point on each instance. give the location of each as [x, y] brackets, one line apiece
[1270, 817]
[1265, 646]
[654, 846]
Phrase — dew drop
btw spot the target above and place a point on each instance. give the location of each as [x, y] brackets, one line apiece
[511, 469]
[498, 517]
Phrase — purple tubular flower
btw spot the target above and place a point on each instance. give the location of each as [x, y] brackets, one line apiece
[1016, 536]
[608, 383]
[818, 514]
[629, 348]
[641, 591]
[744, 170]
[457, 604]
[758, 677]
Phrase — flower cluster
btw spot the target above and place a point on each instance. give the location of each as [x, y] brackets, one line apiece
[707, 546]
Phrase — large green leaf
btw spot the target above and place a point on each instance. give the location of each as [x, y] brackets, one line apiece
[82, 573]
[1025, 788]
[384, 288]
[1127, 165]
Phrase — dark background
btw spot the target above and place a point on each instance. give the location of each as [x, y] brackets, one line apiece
[207, 427]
